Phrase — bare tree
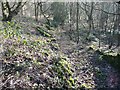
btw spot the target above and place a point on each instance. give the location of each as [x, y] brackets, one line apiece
[9, 11]
[89, 12]
[70, 19]
[36, 4]
[77, 23]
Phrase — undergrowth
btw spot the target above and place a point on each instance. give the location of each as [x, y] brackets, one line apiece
[32, 59]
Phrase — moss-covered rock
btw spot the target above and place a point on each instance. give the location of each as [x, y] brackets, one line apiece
[63, 71]
[113, 60]
[43, 32]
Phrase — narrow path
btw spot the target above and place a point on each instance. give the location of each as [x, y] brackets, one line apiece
[90, 72]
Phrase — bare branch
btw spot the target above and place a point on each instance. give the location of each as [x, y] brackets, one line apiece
[103, 10]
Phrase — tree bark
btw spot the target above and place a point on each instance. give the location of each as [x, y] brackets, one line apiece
[70, 21]
[8, 12]
[36, 11]
[77, 23]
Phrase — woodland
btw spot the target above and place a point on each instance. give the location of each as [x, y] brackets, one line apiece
[59, 45]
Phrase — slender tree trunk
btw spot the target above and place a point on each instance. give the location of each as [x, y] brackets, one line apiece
[118, 33]
[42, 13]
[77, 23]
[36, 11]
[70, 21]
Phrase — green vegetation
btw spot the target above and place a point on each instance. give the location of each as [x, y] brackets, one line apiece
[63, 71]
[23, 54]
[59, 45]
[42, 31]
[11, 30]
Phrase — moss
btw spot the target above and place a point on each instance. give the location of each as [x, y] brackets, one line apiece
[51, 40]
[63, 71]
[72, 81]
[112, 59]
[25, 42]
[36, 62]
[11, 30]
[92, 47]
[85, 86]
[48, 27]
[43, 32]
[99, 51]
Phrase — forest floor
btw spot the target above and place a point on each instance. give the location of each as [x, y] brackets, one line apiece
[89, 70]
[30, 58]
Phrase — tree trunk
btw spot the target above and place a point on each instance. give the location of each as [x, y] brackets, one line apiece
[77, 23]
[36, 11]
[70, 21]
[6, 12]
[9, 12]
[118, 37]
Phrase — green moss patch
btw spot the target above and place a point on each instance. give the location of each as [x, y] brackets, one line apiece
[43, 32]
[63, 71]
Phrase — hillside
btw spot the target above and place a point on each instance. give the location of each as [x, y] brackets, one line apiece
[39, 56]
[32, 60]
